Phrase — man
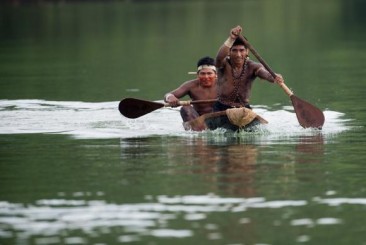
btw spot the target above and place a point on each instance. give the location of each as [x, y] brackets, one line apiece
[201, 88]
[236, 73]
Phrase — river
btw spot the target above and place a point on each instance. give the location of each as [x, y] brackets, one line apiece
[73, 170]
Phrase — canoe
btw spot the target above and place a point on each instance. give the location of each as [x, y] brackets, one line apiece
[243, 119]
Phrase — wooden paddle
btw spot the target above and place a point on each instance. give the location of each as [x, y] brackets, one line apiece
[134, 108]
[308, 115]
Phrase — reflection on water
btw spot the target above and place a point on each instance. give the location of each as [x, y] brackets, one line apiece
[238, 168]
[230, 167]
[76, 221]
[310, 149]
[311, 144]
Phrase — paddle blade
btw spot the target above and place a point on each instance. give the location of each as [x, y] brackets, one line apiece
[308, 115]
[134, 108]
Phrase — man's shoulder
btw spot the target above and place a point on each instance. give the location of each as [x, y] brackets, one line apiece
[191, 82]
[195, 80]
[225, 64]
[253, 63]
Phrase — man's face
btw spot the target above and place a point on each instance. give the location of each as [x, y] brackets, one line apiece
[238, 53]
[207, 77]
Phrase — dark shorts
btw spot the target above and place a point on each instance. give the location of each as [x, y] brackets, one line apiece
[218, 106]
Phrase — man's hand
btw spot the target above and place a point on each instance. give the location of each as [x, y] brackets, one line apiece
[172, 100]
[279, 79]
[235, 32]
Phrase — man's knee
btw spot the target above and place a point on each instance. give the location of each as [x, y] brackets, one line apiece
[188, 113]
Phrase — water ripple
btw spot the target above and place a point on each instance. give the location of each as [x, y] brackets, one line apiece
[53, 217]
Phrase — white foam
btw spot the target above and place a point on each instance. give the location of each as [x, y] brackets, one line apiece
[103, 120]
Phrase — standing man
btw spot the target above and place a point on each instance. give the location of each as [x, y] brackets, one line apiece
[201, 88]
[236, 73]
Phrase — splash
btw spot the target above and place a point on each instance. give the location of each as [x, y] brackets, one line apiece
[103, 120]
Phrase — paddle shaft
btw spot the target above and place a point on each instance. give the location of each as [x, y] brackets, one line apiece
[192, 102]
[261, 60]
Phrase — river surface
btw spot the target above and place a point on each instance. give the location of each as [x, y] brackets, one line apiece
[73, 170]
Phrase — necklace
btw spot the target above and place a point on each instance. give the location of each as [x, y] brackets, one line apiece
[234, 95]
[236, 80]
[242, 73]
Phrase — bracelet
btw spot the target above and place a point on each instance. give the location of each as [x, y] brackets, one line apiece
[167, 96]
[229, 42]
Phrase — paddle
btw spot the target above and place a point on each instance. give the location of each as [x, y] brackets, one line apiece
[134, 108]
[308, 115]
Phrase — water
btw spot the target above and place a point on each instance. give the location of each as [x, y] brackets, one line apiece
[80, 173]
[75, 171]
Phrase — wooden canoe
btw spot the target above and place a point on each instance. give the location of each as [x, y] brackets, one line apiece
[215, 120]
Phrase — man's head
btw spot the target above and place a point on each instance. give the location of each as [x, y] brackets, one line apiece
[206, 71]
[206, 62]
[238, 52]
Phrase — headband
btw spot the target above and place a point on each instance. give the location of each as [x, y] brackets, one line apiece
[202, 67]
[206, 66]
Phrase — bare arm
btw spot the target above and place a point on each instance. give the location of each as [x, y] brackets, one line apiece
[225, 48]
[173, 97]
[262, 73]
[221, 55]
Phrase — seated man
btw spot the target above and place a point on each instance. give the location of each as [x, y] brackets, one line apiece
[201, 88]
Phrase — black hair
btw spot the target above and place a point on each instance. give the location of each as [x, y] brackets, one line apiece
[239, 41]
[206, 61]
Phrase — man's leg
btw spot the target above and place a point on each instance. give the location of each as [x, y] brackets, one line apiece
[188, 113]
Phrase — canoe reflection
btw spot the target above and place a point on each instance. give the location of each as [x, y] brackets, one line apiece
[238, 168]
[228, 166]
